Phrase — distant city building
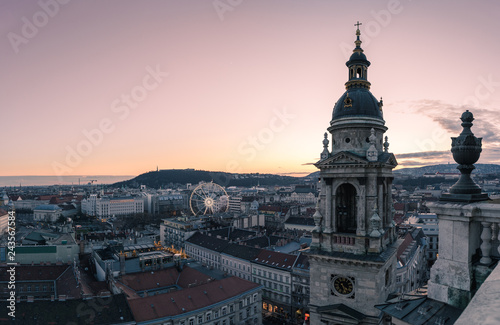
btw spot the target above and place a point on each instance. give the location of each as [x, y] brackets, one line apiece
[47, 212]
[115, 260]
[48, 247]
[4, 221]
[175, 231]
[428, 222]
[235, 204]
[105, 207]
[411, 272]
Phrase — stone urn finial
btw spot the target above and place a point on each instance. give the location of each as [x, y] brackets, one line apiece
[325, 154]
[317, 217]
[466, 149]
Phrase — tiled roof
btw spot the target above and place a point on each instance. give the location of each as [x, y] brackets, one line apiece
[190, 299]
[144, 281]
[406, 242]
[149, 280]
[302, 262]
[276, 259]
[103, 310]
[209, 242]
[263, 241]
[241, 251]
[189, 276]
[231, 233]
[35, 272]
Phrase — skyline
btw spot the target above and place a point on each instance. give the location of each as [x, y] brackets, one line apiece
[119, 88]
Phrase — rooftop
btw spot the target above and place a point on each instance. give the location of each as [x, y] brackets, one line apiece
[276, 259]
[190, 299]
[103, 310]
[209, 242]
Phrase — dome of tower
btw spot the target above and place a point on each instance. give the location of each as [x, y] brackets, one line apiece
[358, 57]
[357, 102]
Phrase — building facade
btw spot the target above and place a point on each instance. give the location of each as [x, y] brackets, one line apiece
[106, 207]
[47, 212]
[412, 271]
[272, 270]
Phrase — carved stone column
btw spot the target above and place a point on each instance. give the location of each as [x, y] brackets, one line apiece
[328, 206]
[486, 244]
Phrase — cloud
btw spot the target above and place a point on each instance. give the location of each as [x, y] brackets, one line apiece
[411, 163]
[487, 122]
[423, 154]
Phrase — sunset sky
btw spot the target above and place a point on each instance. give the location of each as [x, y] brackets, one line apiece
[121, 87]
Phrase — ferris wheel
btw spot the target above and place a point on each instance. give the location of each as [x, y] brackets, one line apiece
[208, 198]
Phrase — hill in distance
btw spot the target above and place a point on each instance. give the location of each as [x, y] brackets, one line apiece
[168, 177]
[483, 169]
[448, 168]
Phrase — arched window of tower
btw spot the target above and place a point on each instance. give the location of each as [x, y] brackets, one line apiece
[346, 208]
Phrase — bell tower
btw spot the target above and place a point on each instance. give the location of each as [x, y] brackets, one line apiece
[353, 253]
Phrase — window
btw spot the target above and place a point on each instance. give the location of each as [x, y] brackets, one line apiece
[191, 321]
[200, 319]
[216, 314]
[224, 311]
[231, 308]
[209, 316]
[255, 296]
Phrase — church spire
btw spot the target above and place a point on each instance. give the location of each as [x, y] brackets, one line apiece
[358, 65]
[358, 41]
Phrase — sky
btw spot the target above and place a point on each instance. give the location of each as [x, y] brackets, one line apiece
[122, 87]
